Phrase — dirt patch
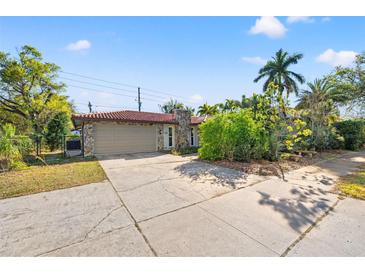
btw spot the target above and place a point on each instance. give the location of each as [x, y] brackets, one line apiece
[288, 163]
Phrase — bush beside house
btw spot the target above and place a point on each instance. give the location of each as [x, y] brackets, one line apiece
[233, 136]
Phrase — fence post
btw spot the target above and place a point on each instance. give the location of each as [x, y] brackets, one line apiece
[64, 145]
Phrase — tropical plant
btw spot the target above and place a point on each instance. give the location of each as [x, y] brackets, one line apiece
[319, 109]
[277, 71]
[246, 102]
[171, 105]
[297, 135]
[206, 109]
[12, 147]
[231, 105]
[191, 110]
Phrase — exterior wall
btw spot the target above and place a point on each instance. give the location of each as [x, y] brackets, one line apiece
[182, 129]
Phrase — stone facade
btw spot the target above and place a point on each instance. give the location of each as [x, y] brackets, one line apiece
[160, 137]
[88, 135]
[182, 129]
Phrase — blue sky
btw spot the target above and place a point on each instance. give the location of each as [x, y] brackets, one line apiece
[198, 59]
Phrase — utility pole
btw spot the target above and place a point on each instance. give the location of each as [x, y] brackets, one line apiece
[139, 99]
[90, 105]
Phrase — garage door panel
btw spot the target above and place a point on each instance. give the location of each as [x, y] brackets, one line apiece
[117, 139]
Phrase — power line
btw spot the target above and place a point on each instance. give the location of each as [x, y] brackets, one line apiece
[84, 82]
[126, 90]
[101, 91]
[118, 94]
[127, 85]
[97, 79]
[108, 92]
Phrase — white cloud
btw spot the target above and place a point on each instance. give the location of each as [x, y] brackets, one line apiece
[79, 45]
[326, 19]
[256, 60]
[270, 26]
[337, 58]
[196, 98]
[300, 19]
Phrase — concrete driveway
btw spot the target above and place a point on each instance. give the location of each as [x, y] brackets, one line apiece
[163, 205]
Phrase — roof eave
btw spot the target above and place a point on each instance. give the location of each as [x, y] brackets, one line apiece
[86, 119]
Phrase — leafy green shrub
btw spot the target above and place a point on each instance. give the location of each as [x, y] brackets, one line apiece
[12, 147]
[353, 132]
[57, 127]
[326, 137]
[233, 136]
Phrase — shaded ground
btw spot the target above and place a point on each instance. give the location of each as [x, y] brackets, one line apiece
[164, 205]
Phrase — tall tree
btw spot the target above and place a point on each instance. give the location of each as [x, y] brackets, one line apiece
[350, 84]
[277, 71]
[29, 86]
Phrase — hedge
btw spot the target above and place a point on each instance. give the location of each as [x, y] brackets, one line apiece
[353, 132]
[232, 136]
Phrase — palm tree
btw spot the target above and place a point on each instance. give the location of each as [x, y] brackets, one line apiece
[277, 71]
[320, 92]
[191, 110]
[246, 102]
[318, 104]
[231, 105]
[206, 109]
[169, 106]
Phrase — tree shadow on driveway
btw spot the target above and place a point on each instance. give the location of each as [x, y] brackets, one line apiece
[302, 209]
[202, 172]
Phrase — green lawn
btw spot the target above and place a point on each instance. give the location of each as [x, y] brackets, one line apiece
[60, 173]
[353, 185]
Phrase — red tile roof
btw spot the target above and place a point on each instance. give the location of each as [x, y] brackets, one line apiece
[133, 116]
[197, 120]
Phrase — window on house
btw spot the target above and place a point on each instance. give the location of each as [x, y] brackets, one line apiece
[192, 136]
[170, 136]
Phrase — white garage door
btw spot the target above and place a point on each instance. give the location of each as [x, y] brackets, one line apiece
[117, 139]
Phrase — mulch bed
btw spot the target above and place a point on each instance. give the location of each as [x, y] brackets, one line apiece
[268, 168]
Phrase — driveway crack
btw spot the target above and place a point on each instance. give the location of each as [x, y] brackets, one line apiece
[87, 233]
[159, 179]
[134, 220]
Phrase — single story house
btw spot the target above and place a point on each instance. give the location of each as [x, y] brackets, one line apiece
[118, 132]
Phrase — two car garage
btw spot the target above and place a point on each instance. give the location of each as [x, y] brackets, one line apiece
[111, 138]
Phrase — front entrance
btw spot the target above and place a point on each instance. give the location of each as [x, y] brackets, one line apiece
[169, 136]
